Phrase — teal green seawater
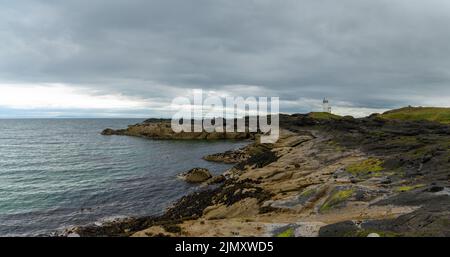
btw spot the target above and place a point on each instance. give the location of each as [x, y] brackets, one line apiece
[56, 173]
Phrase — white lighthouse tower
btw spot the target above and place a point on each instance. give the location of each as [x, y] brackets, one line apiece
[326, 106]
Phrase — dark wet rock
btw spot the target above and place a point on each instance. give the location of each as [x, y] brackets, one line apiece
[107, 132]
[260, 158]
[426, 221]
[360, 196]
[172, 228]
[233, 192]
[431, 219]
[110, 132]
[426, 158]
[434, 189]
[230, 192]
[385, 181]
[416, 198]
[340, 229]
[196, 175]
[370, 228]
[268, 209]
[235, 156]
[215, 180]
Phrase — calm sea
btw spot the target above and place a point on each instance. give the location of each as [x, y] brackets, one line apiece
[56, 173]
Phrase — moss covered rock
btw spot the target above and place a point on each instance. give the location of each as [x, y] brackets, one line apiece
[370, 166]
[336, 198]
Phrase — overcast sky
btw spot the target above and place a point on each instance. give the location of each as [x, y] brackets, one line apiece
[104, 58]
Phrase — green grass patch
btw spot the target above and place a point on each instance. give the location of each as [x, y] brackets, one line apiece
[290, 232]
[335, 199]
[308, 192]
[435, 114]
[324, 116]
[408, 188]
[371, 165]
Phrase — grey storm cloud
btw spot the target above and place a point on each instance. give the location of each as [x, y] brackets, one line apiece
[365, 53]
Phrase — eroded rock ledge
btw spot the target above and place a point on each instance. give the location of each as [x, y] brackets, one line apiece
[161, 129]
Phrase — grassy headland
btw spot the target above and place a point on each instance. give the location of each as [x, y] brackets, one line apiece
[436, 114]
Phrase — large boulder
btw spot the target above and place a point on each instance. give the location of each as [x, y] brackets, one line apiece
[108, 132]
[196, 175]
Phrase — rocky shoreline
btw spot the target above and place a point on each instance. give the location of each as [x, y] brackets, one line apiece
[324, 177]
[161, 129]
